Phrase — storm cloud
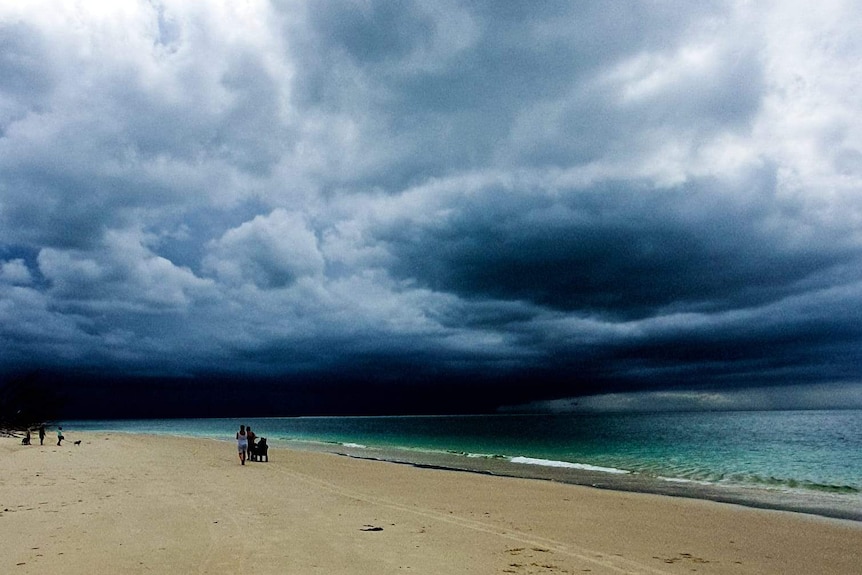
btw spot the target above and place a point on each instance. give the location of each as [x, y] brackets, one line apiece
[513, 204]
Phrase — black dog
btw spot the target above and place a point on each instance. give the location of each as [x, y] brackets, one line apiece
[78, 442]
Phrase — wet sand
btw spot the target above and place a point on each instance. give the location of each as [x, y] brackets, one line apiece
[149, 504]
[835, 505]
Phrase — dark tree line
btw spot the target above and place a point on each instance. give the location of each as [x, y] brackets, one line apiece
[26, 401]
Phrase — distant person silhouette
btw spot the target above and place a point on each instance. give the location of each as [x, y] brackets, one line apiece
[60, 437]
[42, 434]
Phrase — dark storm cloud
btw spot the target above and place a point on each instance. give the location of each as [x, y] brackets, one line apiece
[459, 86]
[621, 249]
[509, 203]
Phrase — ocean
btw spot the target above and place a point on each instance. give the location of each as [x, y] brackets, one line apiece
[806, 461]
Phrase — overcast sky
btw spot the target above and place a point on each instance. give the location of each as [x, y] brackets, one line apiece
[552, 198]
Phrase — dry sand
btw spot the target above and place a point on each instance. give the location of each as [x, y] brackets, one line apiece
[142, 504]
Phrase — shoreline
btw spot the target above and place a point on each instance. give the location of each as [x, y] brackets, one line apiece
[751, 463]
[834, 506]
[806, 501]
[132, 503]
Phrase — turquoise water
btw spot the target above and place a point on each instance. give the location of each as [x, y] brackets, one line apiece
[789, 451]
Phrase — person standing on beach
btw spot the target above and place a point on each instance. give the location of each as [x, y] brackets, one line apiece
[60, 437]
[242, 444]
[251, 436]
[42, 434]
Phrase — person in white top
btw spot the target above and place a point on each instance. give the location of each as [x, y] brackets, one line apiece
[242, 444]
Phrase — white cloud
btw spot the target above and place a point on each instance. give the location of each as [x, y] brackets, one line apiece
[123, 274]
[811, 124]
[271, 251]
[15, 272]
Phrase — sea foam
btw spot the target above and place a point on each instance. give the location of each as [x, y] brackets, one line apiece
[566, 464]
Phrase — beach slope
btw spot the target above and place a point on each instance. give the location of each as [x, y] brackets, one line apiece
[145, 504]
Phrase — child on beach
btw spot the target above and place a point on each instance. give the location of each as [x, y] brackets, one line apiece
[60, 437]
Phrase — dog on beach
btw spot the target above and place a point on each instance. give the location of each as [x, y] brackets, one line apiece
[78, 442]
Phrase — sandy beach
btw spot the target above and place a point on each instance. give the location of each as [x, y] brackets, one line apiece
[145, 504]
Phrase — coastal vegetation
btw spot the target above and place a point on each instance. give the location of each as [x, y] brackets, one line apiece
[25, 403]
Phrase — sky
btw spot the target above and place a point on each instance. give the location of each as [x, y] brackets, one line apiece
[381, 206]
